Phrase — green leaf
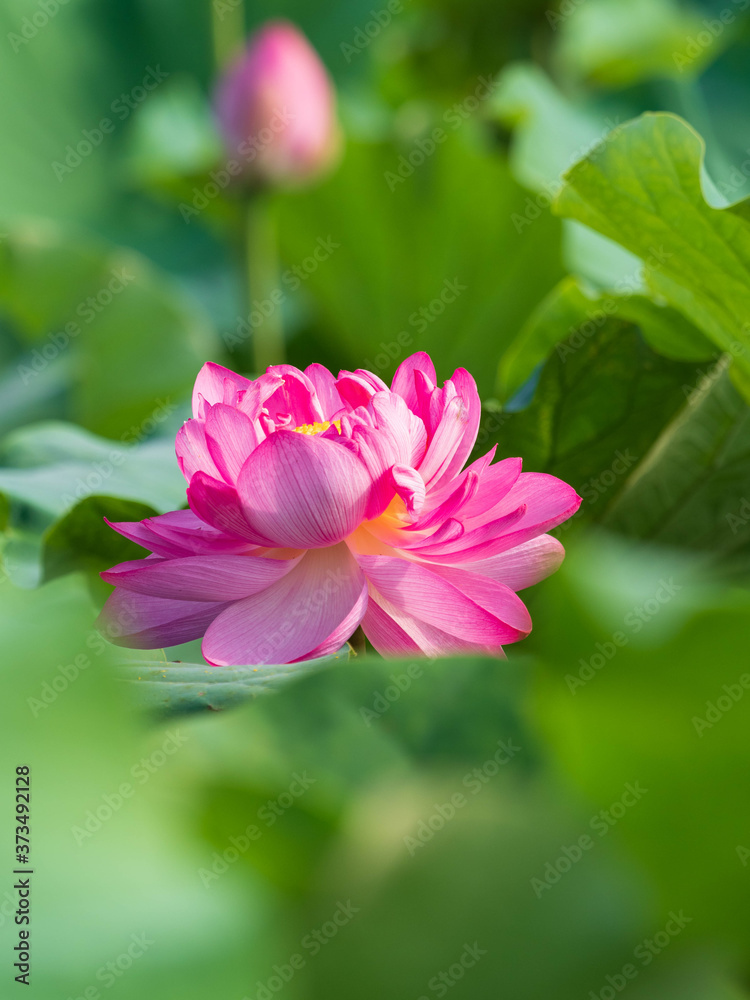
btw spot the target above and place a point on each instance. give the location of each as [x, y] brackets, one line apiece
[642, 188]
[693, 488]
[135, 339]
[178, 688]
[437, 263]
[617, 43]
[569, 313]
[81, 540]
[52, 466]
[603, 398]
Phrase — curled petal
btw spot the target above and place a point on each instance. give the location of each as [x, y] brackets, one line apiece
[409, 485]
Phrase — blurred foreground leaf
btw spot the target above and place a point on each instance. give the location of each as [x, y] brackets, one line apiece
[176, 688]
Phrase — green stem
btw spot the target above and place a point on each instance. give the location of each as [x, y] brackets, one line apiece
[227, 29]
[264, 291]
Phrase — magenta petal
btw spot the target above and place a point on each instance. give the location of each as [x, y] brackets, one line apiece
[376, 453]
[322, 597]
[524, 565]
[296, 396]
[200, 578]
[409, 485]
[450, 546]
[219, 505]
[353, 390]
[215, 384]
[394, 632]
[496, 598]
[303, 491]
[471, 612]
[325, 389]
[404, 430]
[548, 501]
[231, 438]
[178, 533]
[453, 504]
[466, 389]
[145, 622]
[404, 381]
[192, 450]
[494, 484]
[446, 442]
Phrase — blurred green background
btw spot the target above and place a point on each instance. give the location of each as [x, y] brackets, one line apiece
[571, 823]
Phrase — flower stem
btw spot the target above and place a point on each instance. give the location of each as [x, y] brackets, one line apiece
[264, 293]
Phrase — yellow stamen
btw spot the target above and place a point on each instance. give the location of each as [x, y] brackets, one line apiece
[317, 427]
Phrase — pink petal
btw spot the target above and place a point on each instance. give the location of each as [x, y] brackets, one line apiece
[325, 389]
[354, 391]
[548, 501]
[446, 443]
[393, 632]
[297, 396]
[189, 536]
[450, 545]
[192, 450]
[466, 389]
[405, 431]
[453, 504]
[219, 505]
[343, 631]
[404, 382]
[231, 438]
[200, 578]
[409, 485]
[253, 399]
[524, 565]
[494, 484]
[303, 491]
[214, 384]
[376, 453]
[144, 622]
[178, 533]
[496, 598]
[311, 608]
[468, 609]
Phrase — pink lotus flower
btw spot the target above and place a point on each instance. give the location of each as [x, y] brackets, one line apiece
[276, 107]
[318, 504]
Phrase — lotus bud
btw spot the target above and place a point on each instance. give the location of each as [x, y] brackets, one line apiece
[276, 108]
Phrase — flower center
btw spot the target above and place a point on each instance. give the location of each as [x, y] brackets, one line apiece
[317, 427]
